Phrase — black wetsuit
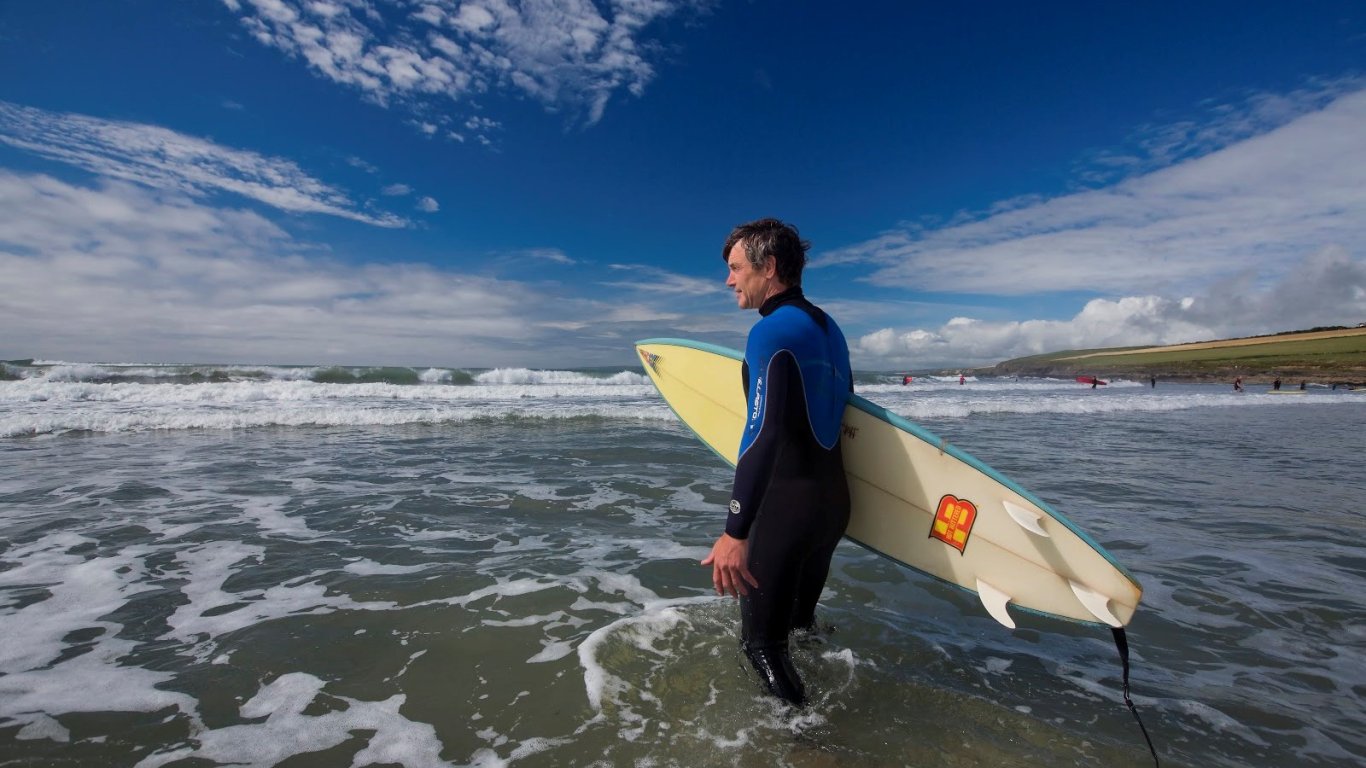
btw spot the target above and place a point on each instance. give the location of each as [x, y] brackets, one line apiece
[791, 498]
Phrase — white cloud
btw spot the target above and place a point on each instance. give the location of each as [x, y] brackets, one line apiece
[119, 272]
[1156, 146]
[163, 159]
[1267, 201]
[397, 190]
[552, 255]
[570, 54]
[1249, 223]
[656, 280]
[428, 205]
[1326, 288]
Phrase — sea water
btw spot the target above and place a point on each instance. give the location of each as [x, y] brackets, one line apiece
[247, 565]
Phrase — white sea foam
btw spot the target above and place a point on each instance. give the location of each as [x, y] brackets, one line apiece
[45, 672]
[38, 407]
[523, 376]
[213, 611]
[288, 730]
[32, 407]
[640, 629]
[371, 568]
[504, 588]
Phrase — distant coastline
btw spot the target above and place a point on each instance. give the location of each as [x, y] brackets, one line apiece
[1319, 355]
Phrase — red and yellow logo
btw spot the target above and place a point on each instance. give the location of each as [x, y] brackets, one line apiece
[953, 521]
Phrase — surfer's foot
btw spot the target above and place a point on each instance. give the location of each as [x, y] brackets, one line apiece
[775, 669]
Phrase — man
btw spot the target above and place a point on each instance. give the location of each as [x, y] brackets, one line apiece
[790, 501]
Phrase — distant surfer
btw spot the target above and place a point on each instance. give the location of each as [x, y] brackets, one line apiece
[790, 501]
[905, 380]
[962, 379]
[1276, 384]
[1238, 384]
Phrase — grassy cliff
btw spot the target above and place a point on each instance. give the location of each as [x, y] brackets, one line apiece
[1323, 355]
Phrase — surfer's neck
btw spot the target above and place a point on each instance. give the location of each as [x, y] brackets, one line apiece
[779, 296]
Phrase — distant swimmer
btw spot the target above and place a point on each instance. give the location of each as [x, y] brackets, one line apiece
[1238, 384]
[789, 503]
[1276, 384]
[962, 379]
[1153, 379]
[905, 380]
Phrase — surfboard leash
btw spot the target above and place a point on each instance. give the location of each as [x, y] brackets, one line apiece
[1122, 644]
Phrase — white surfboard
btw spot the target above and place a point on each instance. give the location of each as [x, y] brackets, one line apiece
[920, 501]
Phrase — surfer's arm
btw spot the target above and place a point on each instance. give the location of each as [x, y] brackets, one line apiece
[759, 451]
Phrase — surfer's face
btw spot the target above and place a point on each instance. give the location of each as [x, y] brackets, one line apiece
[751, 285]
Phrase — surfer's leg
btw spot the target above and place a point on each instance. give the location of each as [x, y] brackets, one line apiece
[816, 567]
[766, 612]
[810, 584]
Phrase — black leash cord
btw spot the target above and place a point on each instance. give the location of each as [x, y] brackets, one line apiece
[1122, 643]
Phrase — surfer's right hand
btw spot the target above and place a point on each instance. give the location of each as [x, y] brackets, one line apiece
[729, 566]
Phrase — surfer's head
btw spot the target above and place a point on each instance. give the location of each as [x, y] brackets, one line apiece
[771, 239]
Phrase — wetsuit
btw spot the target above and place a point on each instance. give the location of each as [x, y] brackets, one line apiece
[790, 498]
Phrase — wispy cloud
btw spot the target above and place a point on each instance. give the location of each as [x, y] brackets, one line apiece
[160, 158]
[1251, 222]
[1266, 201]
[656, 280]
[119, 271]
[1222, 124]
[573, 54]
[552, 255]
[116, 271]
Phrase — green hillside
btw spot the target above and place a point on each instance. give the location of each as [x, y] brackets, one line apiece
[1321, 355]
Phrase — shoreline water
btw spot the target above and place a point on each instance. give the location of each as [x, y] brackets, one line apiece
[505, 573]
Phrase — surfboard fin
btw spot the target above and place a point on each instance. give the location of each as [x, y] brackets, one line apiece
[1096, 603]
[994, 600]
[1027, 518]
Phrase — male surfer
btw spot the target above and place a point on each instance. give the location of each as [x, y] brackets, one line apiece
[790, 501]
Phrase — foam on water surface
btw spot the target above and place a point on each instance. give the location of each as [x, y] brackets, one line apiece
[514, 591]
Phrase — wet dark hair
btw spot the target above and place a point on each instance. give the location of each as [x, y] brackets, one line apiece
[771, 239]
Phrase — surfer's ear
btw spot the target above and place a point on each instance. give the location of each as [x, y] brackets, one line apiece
[769, 268]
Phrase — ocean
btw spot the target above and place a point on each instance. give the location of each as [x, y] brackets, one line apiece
[341, 566]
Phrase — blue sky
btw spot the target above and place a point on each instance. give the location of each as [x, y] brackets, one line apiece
[493, 183]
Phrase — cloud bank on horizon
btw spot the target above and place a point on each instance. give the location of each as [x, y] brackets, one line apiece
[138, 240]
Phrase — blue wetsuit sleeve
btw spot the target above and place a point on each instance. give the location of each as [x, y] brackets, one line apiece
[755, 465]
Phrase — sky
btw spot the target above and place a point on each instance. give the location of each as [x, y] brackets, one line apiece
[538, 184]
